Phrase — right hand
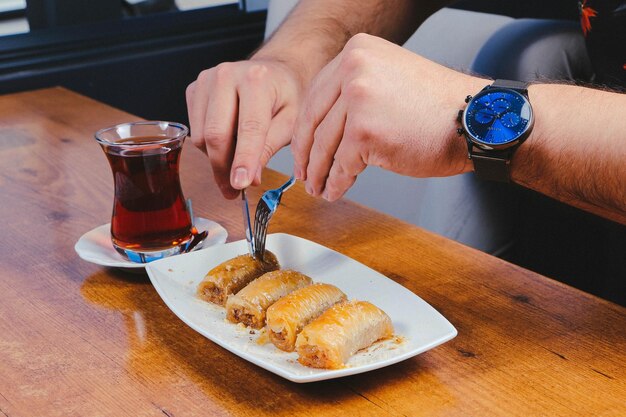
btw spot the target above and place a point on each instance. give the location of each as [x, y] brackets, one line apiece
[379, 104]
[240, 115]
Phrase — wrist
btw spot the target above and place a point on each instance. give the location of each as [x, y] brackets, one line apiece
[523, 165]
[468, 85]
[497, 120]
[295, 68]
[305, 57]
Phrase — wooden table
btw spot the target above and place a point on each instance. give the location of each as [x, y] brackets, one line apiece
[77, 339]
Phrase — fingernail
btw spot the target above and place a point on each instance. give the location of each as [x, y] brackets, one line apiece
[308, 188]
[241, 178]
[325, 195]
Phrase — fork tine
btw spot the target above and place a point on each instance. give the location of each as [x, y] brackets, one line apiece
[256, 233]
[263, 239]
[264, 210]
[261, 230]
[257, 248]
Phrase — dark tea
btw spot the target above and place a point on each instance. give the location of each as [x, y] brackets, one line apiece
[149, 210]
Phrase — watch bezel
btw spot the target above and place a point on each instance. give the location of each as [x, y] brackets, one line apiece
[499, 146]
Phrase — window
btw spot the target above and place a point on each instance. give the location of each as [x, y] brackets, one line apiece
[137, 55]
[16, 16]
[13, 17]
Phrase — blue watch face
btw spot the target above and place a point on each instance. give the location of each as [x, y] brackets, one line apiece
[497, 116]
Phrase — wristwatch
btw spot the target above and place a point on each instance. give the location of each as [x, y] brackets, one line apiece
[495, 122]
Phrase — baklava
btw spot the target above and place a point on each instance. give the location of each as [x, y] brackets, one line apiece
[287, 317]
[342, 330]
[249, 305]
[232, 275]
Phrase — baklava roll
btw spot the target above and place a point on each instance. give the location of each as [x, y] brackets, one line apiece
[249, 305]
[287, 317]
[342, 330]
[231, 276]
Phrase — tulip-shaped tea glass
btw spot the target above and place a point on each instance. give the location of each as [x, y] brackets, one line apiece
[150, 217]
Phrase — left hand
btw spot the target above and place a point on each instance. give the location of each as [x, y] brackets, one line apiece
[379, 104]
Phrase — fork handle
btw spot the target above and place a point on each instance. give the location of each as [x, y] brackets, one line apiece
[246, 222]
[288, 184]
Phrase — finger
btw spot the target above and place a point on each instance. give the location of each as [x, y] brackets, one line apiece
[278, 136]
[349, 162]
[255, 112]
[219, 125]
[327, 138]
[322, 94]
[197, 95]
[189, 94]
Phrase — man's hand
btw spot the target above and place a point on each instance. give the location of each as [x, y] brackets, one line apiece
[379, 104]
[240, 114]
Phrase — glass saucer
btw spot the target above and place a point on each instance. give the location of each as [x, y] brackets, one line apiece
[96, 247]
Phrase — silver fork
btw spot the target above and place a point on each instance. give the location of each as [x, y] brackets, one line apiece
[264, 210]
[246, 222]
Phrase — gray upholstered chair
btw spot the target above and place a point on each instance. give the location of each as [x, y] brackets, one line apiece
[472, 212]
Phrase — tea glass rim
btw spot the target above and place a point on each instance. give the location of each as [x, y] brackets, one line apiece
[184, 131]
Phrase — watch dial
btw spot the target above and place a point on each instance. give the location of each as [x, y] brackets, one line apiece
[497, 116]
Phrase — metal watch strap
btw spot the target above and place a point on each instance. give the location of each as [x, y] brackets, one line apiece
[496, 165]
[492, 167]
[513, 85]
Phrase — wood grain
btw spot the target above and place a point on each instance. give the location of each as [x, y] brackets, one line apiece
[77, 339]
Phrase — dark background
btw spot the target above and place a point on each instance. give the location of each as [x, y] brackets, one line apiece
[138, 63]
[141, 58]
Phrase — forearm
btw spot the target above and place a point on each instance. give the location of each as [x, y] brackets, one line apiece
[317, 30]
[577, 151]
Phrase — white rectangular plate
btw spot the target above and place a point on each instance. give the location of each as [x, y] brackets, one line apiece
[419, 325]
